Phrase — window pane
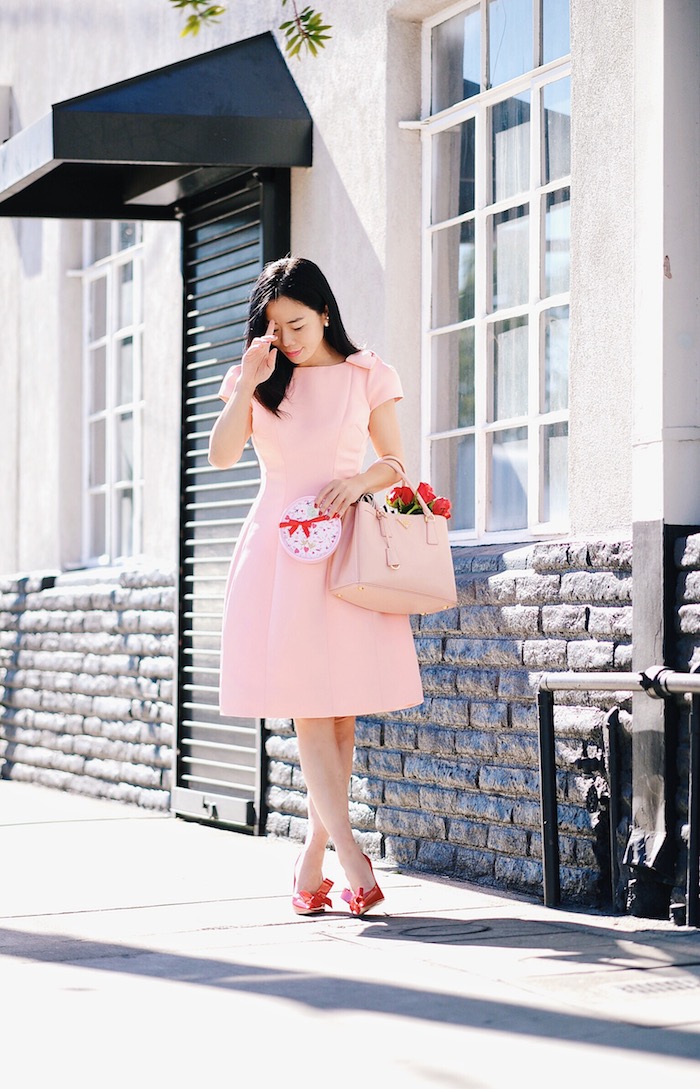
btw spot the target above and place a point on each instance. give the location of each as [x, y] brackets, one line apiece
[452, 475]
[556, 244]
[556, 358]
[510, 257]
[125, 295]
[97, 318]
[453, 172]
[456, 60]
[125, 522]
[556, 99]
[129, 235]
[453, 274]
[510, 370]
[98, 379]
[555, 30]
[453, 380]
[555, 506]
[508, 479]
[510, 126]
[101, 240]
[125, 370]
[125, 446]
[97, 537]
[510, 39]
[98, 447]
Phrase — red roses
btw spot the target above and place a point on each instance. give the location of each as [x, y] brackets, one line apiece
[404, 501]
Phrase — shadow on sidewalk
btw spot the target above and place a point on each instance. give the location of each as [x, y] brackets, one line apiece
[336, 993]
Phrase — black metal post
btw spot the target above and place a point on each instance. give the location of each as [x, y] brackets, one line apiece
[612, 723]
[693, 870]
[548, 792]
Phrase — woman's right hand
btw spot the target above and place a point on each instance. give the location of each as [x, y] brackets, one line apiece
[259, 359]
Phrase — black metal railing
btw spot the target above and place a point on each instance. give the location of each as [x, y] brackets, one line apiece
[658, 683]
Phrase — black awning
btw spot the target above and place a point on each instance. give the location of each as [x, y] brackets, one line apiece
[134, 149]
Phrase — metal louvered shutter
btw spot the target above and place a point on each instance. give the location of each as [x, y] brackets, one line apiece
[219, 760]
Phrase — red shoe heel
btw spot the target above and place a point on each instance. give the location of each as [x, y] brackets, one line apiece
[361, 902]
[311, 903]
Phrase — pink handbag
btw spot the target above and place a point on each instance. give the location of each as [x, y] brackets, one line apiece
[393, 563]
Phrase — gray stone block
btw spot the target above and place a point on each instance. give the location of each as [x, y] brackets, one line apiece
[472, 864]
[478, 744]
[439, 680]
[610, 622]
[400, 850]
[399, 735]
[467, 833]
[368, 733]
[492, 715]
[385, 763]
[401, 794]
[611, 554]
[564, 619]
[496, 589]
[508, 840]
[435, 740]
[544, 654]
[517, 685]
[366, 789]
[445, 621]
[520, 873]
[449, 712]
[410, 823]
[590, 655]
[687, 551]
[428, 649]
[438, 799]
[517, 748]
[609, 587]
[483, 652]
[478, 684]
[436, 857]
[505, 780]
[432, 769]
[534, 589]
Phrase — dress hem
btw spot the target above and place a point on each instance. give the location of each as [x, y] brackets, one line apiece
[333, 713]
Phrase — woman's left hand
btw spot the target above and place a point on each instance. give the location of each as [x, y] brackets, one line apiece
[339, 495]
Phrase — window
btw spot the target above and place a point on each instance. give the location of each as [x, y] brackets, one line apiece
[112, 340]
[496, 264]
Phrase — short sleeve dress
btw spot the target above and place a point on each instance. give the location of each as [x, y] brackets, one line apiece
[289, 647]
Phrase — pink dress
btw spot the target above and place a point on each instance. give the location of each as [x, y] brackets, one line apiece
[289, 648]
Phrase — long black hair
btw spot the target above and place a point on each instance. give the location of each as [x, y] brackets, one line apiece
[299, 279]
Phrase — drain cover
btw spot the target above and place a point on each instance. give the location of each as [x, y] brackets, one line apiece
[443, 933]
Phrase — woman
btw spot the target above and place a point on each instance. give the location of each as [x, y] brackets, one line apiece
[310, 400]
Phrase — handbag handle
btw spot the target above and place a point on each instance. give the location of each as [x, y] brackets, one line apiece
[388, 458]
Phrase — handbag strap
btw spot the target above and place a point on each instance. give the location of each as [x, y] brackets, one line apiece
[390, 459]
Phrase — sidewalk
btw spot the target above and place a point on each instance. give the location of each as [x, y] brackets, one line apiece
[142, 950]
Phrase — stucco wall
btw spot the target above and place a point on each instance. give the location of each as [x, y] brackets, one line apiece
[602, 266]
[357, 213]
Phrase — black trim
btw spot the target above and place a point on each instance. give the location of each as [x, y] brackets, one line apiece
[134, 149]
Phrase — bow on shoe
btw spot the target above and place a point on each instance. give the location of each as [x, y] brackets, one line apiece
[310, 903]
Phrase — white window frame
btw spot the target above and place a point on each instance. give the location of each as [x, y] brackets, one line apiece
[109, 268]
[535, 421]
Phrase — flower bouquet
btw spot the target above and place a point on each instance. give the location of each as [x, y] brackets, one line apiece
[403, 500]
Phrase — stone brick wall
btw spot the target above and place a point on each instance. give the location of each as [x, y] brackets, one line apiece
[452, 786]
[86, 684]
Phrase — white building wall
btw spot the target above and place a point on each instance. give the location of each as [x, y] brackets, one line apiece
[356, 212]
[602, 267]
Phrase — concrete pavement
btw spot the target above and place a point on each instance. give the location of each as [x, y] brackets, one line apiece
[136, 948]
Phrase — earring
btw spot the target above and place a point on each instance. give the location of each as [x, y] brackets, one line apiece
[326, 323]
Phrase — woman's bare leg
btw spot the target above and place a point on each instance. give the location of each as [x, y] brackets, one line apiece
[310, 868]
[326, 775]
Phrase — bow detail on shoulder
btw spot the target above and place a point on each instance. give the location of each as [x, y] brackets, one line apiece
[365, 359]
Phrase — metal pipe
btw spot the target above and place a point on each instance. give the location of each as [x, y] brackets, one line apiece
[693, 868]
[658, 682]
[548, 791]
[591, 682]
